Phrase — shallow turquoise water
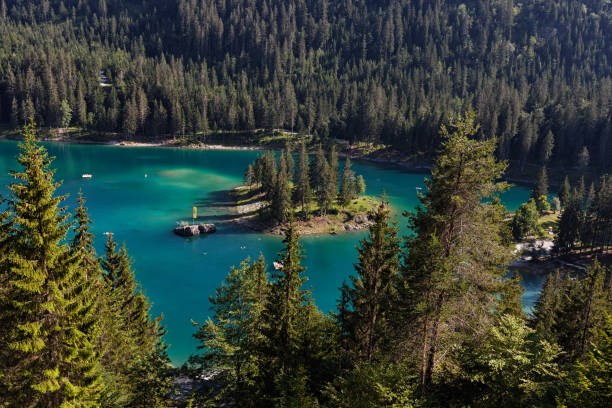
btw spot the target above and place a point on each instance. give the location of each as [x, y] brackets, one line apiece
[180, 274]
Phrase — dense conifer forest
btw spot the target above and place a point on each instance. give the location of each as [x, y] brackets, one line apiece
[432, 319]
[538, 72]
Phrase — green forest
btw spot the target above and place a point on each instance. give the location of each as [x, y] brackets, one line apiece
[432, 319]
[538, 72]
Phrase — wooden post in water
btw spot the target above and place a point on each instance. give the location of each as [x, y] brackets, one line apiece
[195, 212]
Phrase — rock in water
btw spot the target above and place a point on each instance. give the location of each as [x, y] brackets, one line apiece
[207, 228]
[191, 230]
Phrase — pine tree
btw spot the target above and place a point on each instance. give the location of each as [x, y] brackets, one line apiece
[360, 185]
[565, 192]
[321, 180]
[302, 193]
[452, 275]
[371, 295]
[547, 306]
[281, 199]
[131, 335]
[249, 176]
[232, 337]
[548, 144]
[347, 190]
[589, 383]
[541, 187]
[285, 315]
[510, 299]
[49, 353]
[525, 220]
[569, 225]
[333, 168]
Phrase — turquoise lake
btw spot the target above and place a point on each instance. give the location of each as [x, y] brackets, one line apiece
[179, 274]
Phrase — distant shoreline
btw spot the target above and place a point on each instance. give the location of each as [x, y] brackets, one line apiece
[394, 158]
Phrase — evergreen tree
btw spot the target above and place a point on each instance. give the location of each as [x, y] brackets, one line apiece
[249, 176]
[569, 225]
[65, 114]
[548, 144]
[510, 367]
[281, 200]
[347, 190]
[546, 307]
[565, 192]
[589, 383]
[131, 335]
[510, 299]
[290, 322]
[541, 187]
[232, 337]
[371, 295]
[360, 185]
[525, 221]
[302, 193]
[452, 274]
[49, 356]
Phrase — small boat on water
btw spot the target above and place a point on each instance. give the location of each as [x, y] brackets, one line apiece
[86, 175]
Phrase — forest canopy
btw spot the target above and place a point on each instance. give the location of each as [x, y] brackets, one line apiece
[537, 71]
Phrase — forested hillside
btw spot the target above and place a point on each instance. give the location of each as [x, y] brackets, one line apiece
[537, 71]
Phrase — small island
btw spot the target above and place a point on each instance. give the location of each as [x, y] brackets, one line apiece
[313, 194]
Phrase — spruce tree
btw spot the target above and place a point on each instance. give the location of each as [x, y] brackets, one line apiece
[360, 185]
[347, 188]
[565, 192]
[286, 316]
[452, 273]
[541, 187]
[370, 297]
[130, 336]
[231, 339]
[547, 306]
[511, 294]
[569, 225]
[49, 351]
[281, 200]
[302, 193]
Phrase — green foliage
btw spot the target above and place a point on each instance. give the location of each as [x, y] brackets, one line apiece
[555, 204]
[452, 274]
[367, 304]
[525, 221]
[542, 204]
[510, 368]
[230, 340]
[65, 114]
[360, 185]
[48, 348]
[375, 386]
[565, 192]
[570, 223]
[347, 186]
[541, 187]
[589, 383]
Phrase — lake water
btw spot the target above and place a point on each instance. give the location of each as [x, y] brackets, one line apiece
[179, 274]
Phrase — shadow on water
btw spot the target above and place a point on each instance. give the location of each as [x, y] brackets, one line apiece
[215, 199]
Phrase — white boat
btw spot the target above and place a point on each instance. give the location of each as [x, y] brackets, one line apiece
[86, 175]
